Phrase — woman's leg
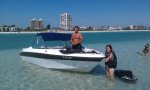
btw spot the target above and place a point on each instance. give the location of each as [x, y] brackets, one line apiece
[111, 73]
[107, 71]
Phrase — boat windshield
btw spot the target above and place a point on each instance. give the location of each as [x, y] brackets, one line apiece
[39, 43]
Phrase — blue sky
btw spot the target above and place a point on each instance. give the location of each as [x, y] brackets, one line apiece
[84, 12]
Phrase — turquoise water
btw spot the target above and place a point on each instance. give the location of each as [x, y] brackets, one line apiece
[16, 74]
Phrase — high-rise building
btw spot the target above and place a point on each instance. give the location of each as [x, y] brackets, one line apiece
[37, 24]
[1, 29]
[33, 24]
[41, 23]
[65, 21]
[131, 27]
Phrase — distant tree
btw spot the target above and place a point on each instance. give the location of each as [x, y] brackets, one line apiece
[12, 25]
[126, 28]
[19, 29]
[48, 26]
[28, 28]
[90, 28]
[4, 25]
[8, 29]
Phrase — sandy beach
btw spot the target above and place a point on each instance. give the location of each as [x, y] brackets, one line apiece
[34, 32]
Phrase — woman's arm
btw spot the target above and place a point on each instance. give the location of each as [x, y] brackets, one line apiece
[110, 57]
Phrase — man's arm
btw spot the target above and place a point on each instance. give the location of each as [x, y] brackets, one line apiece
[81, 38]
[72, 38]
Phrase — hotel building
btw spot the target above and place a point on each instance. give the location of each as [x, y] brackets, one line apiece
[65, 21]
[37, 24]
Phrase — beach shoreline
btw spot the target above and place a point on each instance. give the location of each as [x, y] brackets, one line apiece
[34, 32]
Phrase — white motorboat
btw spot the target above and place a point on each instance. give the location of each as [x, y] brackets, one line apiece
[60, 57]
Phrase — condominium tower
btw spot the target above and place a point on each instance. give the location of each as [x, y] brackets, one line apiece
[37, 24]
[65, 21]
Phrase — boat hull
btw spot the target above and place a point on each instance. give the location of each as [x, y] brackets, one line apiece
[68, 65]
[53, 58]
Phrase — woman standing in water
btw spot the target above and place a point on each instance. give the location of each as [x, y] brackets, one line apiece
[110, 61]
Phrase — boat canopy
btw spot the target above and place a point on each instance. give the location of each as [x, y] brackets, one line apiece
[50, 36]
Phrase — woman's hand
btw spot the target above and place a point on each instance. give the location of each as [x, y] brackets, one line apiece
[109, 57]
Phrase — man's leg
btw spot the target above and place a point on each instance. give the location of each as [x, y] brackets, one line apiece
[79, 47]
[74, 47]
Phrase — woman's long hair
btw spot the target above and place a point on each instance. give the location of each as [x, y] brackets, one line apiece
[111, 50]
[109, 47]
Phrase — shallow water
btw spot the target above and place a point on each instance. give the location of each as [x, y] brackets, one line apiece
[16, 74]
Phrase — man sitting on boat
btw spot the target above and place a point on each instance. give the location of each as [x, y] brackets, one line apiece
[76, 39]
